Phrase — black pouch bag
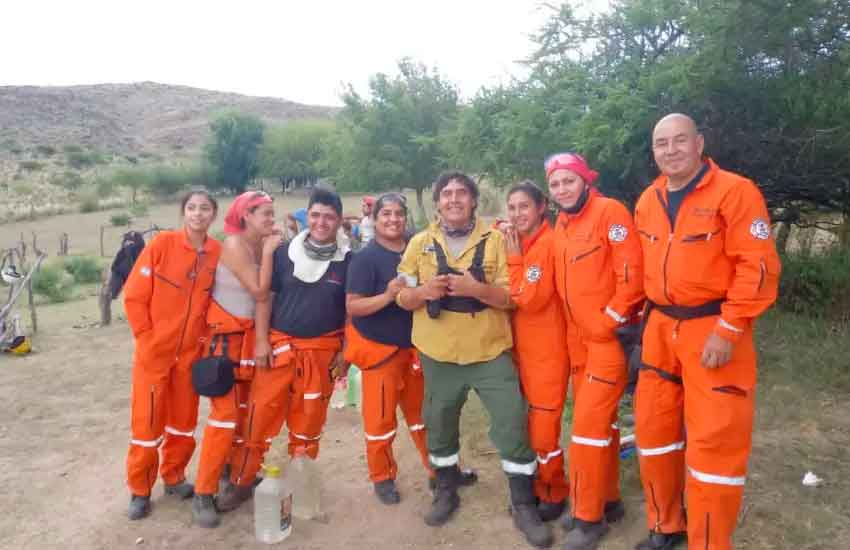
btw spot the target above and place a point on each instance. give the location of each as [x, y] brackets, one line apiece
[212, 376]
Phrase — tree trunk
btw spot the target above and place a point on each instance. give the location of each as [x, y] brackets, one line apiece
[782, 234]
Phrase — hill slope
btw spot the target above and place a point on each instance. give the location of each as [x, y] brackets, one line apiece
[127, 118]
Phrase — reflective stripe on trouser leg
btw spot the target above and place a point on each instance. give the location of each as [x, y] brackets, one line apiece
[217, 442]
[307, 414]
[593, 456]
[269, 401]
[147, 425]
[181, 419]
[378, 408]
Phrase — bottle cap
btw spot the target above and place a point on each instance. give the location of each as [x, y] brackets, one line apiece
[271, 471]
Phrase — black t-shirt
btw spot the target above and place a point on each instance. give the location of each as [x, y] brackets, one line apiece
[370, 271]
[307, 310]
[675, 198]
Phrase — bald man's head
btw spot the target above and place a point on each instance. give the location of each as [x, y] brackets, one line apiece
[677, 147]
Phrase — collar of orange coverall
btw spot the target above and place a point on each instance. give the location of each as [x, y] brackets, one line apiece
[528, 242]
[661, 182]
[184, 240]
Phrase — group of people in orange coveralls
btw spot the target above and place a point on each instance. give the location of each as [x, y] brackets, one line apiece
[518, 311]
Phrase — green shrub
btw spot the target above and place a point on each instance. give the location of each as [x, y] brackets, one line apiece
[31, 165]
[68, 180]
[54, 283]
[121, 219]
[105, 187]
[45, 150]
[817, 285]
[140, 209]
[89, 203]
[84, 159]
[72, 148]
[84, 269]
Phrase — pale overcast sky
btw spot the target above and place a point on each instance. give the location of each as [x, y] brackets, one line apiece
[297, 50]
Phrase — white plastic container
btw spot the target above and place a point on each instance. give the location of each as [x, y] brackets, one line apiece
[303, 478]
[272, 507]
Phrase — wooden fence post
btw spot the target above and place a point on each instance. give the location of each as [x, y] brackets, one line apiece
[104, 298]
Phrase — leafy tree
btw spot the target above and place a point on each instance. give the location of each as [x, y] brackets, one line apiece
[294, 152]
[391, 140]
[233, 149]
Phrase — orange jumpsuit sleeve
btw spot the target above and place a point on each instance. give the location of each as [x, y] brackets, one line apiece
[532, 277]
[138, 290]
[749, 244]
[627, 259]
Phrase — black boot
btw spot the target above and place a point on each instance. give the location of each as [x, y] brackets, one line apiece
[139, 508]
[524, 512]
[387, 492]
[661, 541]
[467, 477]
[550, 511]
[446, 499]
[204, 513]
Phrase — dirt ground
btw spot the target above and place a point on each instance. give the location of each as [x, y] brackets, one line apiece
[64, 437]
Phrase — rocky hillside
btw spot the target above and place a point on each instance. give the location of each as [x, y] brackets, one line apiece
[144, 117]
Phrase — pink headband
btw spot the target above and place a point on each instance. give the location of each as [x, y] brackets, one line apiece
[573, 162]
[243, 203]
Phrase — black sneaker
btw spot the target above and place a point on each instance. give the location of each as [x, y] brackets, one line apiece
[386, 492]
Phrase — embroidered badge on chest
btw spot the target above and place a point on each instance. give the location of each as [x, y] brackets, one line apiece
[533, 273]
[760, 229]
[617, 233]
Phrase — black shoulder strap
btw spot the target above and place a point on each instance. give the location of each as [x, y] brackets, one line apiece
[442, 261]
[478, 258]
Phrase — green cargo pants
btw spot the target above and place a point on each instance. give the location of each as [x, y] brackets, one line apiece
[497, 384]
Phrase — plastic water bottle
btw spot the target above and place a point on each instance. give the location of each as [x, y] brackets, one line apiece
[353, 398]
[272, 507]
[340, 393]
[303, 477]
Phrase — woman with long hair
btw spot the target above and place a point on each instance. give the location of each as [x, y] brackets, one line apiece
[166, 299]
[540, 339]
[242, 278]
[378, 342]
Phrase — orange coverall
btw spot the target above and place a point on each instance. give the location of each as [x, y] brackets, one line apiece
[391, 377]
[295, 389]
[224, 433]
[599, 277]
[540, 351]
[166, 298]
[721, 249]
